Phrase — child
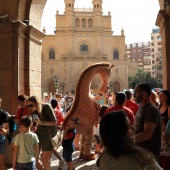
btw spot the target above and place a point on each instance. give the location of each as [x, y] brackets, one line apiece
[165, 149]
[25, 146]
[67, 143]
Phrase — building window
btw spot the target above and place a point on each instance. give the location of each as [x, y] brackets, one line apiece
[134, 55]
[152, 38]
[51, 54]
[115, 54]
[134, 45]
[77, 22]
[83, 22]
[159, 38]
[90, 23]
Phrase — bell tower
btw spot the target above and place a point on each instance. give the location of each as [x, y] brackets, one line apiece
[69, 6]
[69, 14]
[97, 6]
[97, 9]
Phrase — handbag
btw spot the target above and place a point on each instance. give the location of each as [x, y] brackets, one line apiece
[57, 139]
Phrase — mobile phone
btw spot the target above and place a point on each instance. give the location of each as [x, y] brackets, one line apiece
[35, 116]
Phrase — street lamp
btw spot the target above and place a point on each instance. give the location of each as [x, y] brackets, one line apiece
[63, 85]
[56, 83]
[111, 86]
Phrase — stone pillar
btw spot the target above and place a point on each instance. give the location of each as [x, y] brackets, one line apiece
[20, 66]
[164, 24]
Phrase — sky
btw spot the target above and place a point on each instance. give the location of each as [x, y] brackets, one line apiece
[137, 18]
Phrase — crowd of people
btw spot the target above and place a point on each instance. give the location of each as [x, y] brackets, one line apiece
[130, 133]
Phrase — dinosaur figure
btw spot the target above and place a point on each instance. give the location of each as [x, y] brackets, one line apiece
[85, 108]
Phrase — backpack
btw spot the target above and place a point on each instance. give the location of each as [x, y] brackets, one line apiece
[12, 127]
[12, 124]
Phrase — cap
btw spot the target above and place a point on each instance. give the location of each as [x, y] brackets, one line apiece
[76, 120]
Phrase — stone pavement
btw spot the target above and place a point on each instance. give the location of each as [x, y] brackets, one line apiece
[79, 163]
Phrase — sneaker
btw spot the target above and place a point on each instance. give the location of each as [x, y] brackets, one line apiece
[61, 162]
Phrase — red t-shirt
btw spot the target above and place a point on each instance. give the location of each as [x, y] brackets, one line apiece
[132, 106]
[24, 113]
[59, 116]
[129, 112]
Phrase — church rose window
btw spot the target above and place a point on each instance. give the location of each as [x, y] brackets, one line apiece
[84, 48]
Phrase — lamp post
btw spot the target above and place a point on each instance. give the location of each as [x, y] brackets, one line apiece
[63, 85]
[56, 83]
[111, 86]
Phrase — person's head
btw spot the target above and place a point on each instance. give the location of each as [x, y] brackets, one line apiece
[54, 103]
[73, 122]
[103, 110]
[116, 132]
[58, 96]
[128, 95]
[164, 96]
[22, 101]
[50, 95]
[153, 96]
[120, 98]
[25, 123]
[34, 104]
[142, 92]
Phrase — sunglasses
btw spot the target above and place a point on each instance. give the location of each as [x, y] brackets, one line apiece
[30, 105]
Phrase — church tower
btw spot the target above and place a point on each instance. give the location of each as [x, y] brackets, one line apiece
[69, 6]
[69, 14]
[97, 9]
[97, 6]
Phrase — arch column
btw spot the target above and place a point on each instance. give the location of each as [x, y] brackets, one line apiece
[163, 21]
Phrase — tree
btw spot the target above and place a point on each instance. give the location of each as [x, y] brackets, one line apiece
[142, 77]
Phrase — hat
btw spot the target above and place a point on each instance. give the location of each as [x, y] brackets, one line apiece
[75, 120]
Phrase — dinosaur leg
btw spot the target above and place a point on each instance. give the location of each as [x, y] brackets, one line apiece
[87, 155]
[83, 137]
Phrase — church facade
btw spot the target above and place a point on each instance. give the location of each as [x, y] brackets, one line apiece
[82, 37]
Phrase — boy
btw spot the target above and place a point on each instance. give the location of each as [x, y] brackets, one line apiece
[67, 143]
[25, 146]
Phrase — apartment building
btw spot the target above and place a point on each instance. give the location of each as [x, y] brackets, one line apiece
[140, 53]
[156, 54]
[148, 55]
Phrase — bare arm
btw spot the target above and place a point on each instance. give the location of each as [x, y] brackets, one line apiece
[15, 154]
[36, 150]
[147, 133]
[45, 123]
[169, 112]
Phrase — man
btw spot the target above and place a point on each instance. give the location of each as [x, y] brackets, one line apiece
[4, 129]
[148, 121]
[120, 100]
[129, 103]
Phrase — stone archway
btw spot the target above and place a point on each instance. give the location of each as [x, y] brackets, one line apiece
[116, 87]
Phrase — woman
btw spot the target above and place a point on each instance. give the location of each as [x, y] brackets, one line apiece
[23, 109]
[4, 129]
[164, 97]
[154, 98]
[120, 150]
[45, 130]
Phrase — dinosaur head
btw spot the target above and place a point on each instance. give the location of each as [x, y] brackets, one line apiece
[104, 76]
